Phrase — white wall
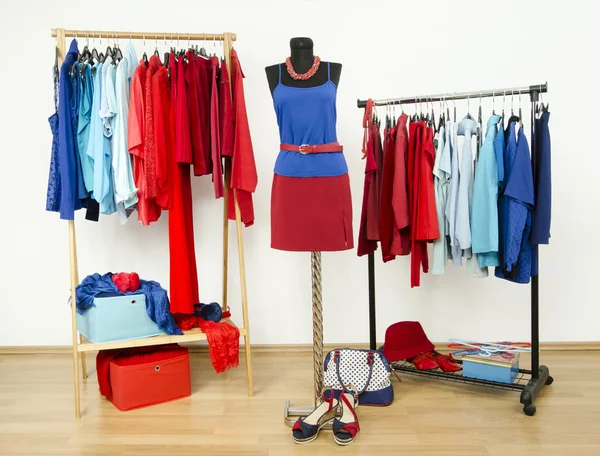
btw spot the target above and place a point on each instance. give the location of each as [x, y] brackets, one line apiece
[388, 48]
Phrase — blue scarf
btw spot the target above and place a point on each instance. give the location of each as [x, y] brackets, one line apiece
[157, 300]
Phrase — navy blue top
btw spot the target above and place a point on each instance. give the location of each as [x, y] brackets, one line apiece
[70, 187]
[540, 225]
[307, 116]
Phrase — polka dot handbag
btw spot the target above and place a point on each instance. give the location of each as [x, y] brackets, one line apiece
[368, 370]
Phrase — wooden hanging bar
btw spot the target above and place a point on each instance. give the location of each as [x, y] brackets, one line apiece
[143, 35]
[80, 344]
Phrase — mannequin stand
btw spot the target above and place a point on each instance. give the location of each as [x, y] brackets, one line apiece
[291, 414]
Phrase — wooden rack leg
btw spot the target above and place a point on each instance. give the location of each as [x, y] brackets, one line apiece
[83, 360]
[74, 283]
[227, 45]
[226, 231]
[240, 242]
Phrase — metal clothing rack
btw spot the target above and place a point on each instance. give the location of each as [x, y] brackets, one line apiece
[80, 344]
[529, 382]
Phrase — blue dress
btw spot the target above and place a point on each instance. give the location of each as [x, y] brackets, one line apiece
[71, 178]
[53, 191]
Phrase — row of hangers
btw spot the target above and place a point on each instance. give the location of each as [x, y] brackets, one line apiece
[93, 57]
[429, 117]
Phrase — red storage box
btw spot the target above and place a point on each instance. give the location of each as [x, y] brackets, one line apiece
[143, 379]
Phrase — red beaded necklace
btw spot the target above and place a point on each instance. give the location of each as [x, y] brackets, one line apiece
[302, 77]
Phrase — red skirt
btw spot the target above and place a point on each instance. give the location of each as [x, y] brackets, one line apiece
[311, 214]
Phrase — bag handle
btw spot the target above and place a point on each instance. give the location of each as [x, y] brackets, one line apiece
[370, 362]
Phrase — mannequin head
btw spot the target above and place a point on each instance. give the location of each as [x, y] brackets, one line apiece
[301, 43]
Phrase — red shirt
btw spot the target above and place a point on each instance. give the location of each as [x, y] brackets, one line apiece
[183, 142]
[148, 210]
[192, 86]
[401, 235]
[161, 96]
[244, 177]
[225, 113]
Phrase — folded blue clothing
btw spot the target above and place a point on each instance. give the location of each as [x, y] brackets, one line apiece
[157, 300]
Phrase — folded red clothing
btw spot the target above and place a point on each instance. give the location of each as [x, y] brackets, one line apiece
[223, 339]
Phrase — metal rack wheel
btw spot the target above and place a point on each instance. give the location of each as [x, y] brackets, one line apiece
[549, 380]
[529, 410]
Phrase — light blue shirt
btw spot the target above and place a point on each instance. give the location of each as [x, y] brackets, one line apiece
[125, 190]
[484, 224]
[96, 136]
[466, 127]
[451, 203]
[441, 178]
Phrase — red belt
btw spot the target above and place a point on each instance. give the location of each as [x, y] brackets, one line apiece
[316, 149]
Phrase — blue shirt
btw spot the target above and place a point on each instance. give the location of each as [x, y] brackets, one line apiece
[69, 195]
[484, 223]
[514, 210]
[83, 126]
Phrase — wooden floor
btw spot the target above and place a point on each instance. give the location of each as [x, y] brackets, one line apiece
[427, 418]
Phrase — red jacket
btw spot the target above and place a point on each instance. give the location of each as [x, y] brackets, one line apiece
[244, 177]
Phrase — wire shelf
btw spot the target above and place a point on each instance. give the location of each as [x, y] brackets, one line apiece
[518, 385]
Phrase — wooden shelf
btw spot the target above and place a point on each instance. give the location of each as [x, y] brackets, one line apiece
[193, 335]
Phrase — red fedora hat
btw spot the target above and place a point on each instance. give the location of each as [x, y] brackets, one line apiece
[404, 340]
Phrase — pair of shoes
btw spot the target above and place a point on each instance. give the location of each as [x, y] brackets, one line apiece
[434, 359]
[345, 428]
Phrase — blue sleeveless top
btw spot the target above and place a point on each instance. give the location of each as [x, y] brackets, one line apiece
[307, 116]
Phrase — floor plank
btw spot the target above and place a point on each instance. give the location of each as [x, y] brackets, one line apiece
[428, 417]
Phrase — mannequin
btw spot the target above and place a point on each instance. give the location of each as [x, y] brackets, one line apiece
[311, 202]
[302, 58]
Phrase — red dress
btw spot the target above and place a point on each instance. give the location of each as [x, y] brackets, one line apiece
[215, 132]
[183, 273]
[203, 81]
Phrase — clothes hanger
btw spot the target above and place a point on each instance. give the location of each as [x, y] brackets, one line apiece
[118, 53]
[167, 55]
[454, 101]
[101, 56]
[156, 53]
[145, 56]
[479, 116]
[513, 118]
[95, 56]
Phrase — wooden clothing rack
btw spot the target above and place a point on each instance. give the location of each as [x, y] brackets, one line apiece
[80, 344]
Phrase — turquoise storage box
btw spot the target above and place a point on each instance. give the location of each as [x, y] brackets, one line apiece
[117, 318]
[493, 367]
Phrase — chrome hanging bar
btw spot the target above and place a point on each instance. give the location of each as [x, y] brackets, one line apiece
[145, 35]
[539, 88]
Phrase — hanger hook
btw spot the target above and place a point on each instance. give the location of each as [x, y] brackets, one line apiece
[144, 38]
[189, 41]
[165, 38]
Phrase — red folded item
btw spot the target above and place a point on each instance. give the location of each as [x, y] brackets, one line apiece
[126, 281]
[223, 339]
